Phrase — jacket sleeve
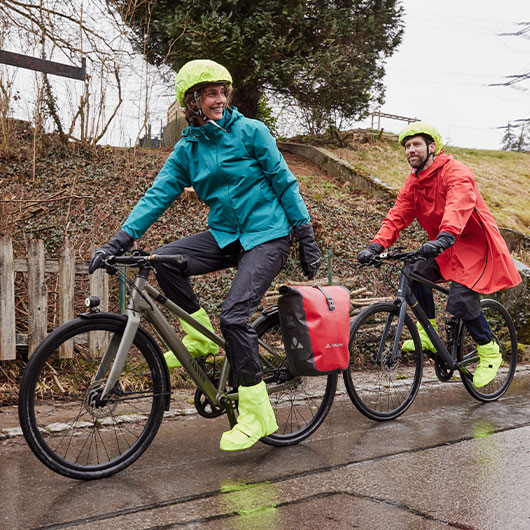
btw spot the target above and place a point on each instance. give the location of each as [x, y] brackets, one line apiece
[167, 186]
[460, 200]
[279, 175]
[398, 218]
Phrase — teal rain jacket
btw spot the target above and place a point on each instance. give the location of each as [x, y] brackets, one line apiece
[238, 172]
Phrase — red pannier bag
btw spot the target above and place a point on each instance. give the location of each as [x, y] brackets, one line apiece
[315, 324]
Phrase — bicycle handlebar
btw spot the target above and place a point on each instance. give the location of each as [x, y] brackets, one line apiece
[398, 255]
[139, 261]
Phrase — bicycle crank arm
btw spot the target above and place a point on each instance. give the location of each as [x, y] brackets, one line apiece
[461, 367]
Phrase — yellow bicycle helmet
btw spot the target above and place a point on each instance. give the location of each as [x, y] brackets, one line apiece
[421, 128]
[199, 72]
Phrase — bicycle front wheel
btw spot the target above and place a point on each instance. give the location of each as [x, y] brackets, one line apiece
[300, 403]
[382, 385]
[504, 334]
[66, 424]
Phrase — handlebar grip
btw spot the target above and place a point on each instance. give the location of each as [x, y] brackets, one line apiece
[176, 259]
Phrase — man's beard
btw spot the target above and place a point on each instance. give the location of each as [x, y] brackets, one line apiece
[416, 162]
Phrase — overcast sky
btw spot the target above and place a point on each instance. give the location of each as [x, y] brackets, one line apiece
[451, 51]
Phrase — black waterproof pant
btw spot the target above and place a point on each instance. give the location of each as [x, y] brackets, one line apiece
[462, 301]
[256, 268]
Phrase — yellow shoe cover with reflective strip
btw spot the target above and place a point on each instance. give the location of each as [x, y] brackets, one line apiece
[256, 419]
[426, 343]
[490, 362]
[197, 344]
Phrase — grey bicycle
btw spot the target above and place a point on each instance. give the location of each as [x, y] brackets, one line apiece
[94, 393]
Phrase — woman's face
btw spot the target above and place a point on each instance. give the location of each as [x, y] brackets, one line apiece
[213, 101]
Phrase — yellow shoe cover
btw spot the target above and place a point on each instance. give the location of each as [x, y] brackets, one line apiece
[171, 360]
[197, 344]
[426, 343]
[490, 361]
[256, 419]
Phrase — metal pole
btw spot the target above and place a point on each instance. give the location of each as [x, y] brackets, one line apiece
[330, 269]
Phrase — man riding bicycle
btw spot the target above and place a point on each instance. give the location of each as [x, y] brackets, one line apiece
[465, 244]
[234, 166]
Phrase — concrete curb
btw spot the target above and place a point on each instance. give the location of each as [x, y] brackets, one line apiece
[339, 168]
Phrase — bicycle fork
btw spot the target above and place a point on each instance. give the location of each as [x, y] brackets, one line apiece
[117, 351]
[401, 300]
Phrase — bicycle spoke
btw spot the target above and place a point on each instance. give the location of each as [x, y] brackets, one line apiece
[503, 333]
[82, 435]
[381, 384]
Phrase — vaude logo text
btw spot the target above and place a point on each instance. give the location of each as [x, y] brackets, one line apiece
[338, 345]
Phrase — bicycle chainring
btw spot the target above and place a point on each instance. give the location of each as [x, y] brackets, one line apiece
[205, 407]
[442, 372]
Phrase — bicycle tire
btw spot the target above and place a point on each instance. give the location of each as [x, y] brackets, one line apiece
[61, 420]
[380, 390]
[504, 334]
[304, 402]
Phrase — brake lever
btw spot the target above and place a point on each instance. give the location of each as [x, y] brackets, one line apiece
[108, 266]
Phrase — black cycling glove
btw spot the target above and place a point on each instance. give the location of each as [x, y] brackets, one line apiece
[434, 248]
[308, 249]
[368, 254]
[118, 245]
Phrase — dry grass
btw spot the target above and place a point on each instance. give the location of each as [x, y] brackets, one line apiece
[503, 177]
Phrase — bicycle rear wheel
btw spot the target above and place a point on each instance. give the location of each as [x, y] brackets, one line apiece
[302, 403]
[380, 387]
[63, 420]
[504, 334]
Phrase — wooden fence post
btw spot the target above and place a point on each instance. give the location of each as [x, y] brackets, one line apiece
[99, 286]
[37, 296]
[8, 342]
[66, 294]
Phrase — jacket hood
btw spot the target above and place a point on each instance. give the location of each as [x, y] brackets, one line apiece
[193, 132]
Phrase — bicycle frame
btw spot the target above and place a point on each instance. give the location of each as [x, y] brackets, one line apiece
[405, 298]
[142, 303]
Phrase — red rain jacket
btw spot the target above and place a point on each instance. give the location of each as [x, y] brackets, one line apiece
[445, 198]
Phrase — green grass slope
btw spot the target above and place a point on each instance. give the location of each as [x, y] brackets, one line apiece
[503, 177]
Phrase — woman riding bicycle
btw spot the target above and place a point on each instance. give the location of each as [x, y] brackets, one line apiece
[442, 194]
[234, 166]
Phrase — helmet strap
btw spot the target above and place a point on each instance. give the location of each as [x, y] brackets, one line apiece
[198, 111]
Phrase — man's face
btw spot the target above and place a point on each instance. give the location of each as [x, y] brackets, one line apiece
[416, 151]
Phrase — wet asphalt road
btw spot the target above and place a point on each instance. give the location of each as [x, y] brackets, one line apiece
[449, 461]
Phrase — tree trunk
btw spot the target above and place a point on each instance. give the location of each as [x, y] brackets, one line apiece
[246, 99]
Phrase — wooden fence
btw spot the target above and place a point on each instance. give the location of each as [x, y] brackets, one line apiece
[37, 266]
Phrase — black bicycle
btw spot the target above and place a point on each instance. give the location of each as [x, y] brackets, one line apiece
[383, 380]
[94, 392]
